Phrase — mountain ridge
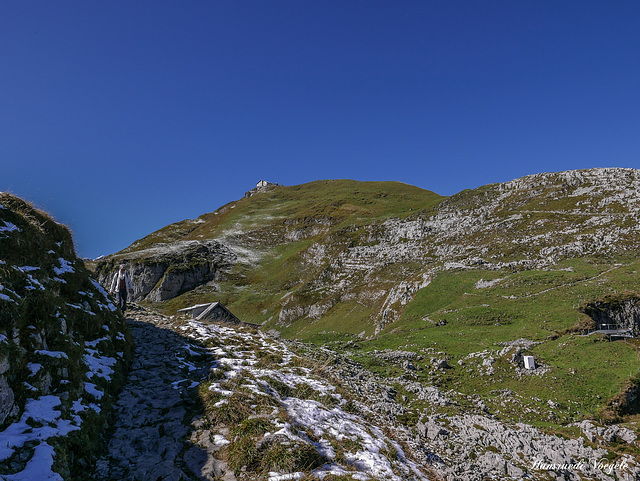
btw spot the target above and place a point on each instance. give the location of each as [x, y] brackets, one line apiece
[453, 231]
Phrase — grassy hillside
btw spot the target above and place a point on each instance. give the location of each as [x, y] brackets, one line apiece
[385, 265]
[326, 202]
[465, 312]
[276, 230]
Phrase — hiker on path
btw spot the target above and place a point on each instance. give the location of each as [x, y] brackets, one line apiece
[121, 285]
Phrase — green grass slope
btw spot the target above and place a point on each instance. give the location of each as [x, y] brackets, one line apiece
[279, 228]
[456, 316]
[333, 202]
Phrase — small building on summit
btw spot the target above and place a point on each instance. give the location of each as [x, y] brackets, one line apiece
[210, 311]
[261, 186]
[264, 183]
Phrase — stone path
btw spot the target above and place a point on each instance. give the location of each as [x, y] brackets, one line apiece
[153, 413]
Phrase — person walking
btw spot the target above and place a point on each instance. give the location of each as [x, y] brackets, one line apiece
[121, 285]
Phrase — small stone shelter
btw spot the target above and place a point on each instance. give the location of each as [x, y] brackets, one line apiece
[212, 311]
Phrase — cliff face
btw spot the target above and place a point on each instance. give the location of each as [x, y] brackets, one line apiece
[63, 347]
[164, 272]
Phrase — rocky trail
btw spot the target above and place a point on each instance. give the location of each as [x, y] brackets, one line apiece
[271, 417]
[150, 439]
[208, 402]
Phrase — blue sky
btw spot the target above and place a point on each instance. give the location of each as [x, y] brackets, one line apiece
[121, 117]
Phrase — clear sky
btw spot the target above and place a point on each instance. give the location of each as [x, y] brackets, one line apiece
[119, 117]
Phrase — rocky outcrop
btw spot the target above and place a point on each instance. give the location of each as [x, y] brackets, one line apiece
[622, 311]
[166, 271]
[64, 349]
[261, 413]
[477, 446]
[529, 223]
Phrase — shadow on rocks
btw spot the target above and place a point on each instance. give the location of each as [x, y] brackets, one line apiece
[157, 432]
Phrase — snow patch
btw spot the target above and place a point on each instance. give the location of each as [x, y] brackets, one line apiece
[91, 388]
[95, 342]
[40, 466]
[99, 288]
[34, 368]
[9, 227]
[284, 477]
[27, 268]
[5, 297]
[55, 354]
[35, 283]
[220, 440]
[41, 410]
[65, 267]
[100, 366]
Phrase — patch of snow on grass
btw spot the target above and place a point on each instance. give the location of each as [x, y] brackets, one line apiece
[220, 440]
[55, 354]
[284, 477]
[329, 425]
[39, 467]
[110, 306]
[99, 288]
[5, 297]
[9, 227]
[41, 410]
[65, 267]
[98, 365]
[34, 367]
[35, 283]
[27, 268]
[215, 387]
[93, 390]
[95, 342]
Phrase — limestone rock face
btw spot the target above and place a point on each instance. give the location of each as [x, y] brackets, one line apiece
[623, 312]
[164, 272]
